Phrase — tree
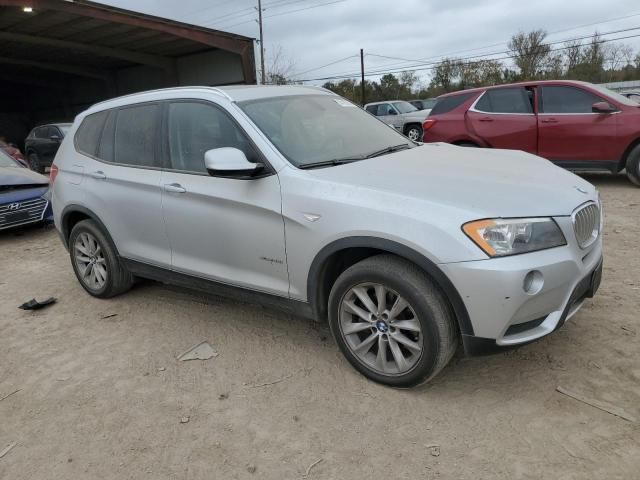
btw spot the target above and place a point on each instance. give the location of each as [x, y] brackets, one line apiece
[530, 53]
[444, 75]
[279, 66]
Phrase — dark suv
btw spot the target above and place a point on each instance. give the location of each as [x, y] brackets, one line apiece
[41, 145]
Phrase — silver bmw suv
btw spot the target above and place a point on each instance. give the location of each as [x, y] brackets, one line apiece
[296, 197]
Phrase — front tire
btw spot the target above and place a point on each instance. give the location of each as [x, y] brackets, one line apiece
[95, 261]
[391, 322]
[633, 165]
[34, 163]
[414, 132]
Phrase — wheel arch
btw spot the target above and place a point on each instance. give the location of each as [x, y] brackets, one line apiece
[339, 255]
[73, 214]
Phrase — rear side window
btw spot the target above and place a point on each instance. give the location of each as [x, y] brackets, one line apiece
[372, 109]
[136, 136]
[446, 104]
[195, 128]
[564, 99]
[505, 100]
[106, 148]
[89, 133]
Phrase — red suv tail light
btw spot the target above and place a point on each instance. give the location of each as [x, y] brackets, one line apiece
[53, 173]
[428, 123]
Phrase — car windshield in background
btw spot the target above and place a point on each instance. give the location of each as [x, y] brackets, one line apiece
[7, 161]
[404, 107]
[429, 104]
[614, 95]
[308, 129]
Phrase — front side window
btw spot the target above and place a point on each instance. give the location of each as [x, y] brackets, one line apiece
[89, 132]
[195, 128]
[136, 136]
[386, 109]
[564, 99]
[404, 107]
[505, 100]
[320, 128]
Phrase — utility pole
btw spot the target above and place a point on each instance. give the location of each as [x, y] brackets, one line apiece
[362, 75]
[263, 73]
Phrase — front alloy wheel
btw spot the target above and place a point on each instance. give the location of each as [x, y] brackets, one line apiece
[415, 134]
[381, 328]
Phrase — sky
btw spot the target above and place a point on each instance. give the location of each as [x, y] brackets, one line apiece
[405, 29]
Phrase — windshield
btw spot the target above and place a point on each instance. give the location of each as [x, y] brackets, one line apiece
[317, 128]
[7, 161]
[405, 107]
[429, 104]
[614, 95]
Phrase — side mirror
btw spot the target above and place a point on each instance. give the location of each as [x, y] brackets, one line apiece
[392, 112]
[55, 138]
[230, 162]
[603, 107]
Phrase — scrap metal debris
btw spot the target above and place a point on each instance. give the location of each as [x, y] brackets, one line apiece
[8, 449]
[605, 407]
[33, 304]
[312, 465]
[185, 419]
[435, 449]
[109, 316]
[202, 351]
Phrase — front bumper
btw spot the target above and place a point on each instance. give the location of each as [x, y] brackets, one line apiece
[503, 314]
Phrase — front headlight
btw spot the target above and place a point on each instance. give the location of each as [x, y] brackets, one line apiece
[501, 237]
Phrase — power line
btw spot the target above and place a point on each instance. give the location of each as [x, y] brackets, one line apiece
[631, 15]
[249, 11]
[435, 65]
[323, 66]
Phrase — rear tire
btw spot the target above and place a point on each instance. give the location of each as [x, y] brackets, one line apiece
[467, 144]
[426, 321]
[633, 166]
[95, 261]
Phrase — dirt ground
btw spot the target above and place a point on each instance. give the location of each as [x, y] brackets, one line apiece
[104, 398]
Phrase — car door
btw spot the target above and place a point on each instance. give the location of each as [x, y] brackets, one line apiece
[389, 115]
[505, 118]
[568, 128]
[224, 229]
[122, 174]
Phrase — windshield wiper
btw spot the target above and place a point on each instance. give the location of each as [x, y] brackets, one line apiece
[384, 151]
[330, 163]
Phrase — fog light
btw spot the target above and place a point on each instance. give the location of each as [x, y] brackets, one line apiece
[533, 282]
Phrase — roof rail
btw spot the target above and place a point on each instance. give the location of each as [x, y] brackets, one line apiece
[169, 89]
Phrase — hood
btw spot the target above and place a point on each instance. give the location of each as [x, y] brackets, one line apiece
[419, 116]
[17, 176]
[486, 183]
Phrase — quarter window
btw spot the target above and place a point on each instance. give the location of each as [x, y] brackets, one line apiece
[562, 99]
[447, 104]
[195, 128]
[89, 132]
[505, 100]
[136, 136]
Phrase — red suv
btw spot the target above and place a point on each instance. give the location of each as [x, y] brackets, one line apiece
[576, 125]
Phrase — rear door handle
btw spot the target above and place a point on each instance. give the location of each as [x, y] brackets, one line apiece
[549, 120]
[486, 119]
[174, 188]
[99, 175]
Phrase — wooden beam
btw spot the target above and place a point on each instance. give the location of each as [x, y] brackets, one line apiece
[134, 57]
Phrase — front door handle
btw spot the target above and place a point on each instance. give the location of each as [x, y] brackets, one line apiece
[99, 175]
[486, 119]
[549, 120]
[174, 188]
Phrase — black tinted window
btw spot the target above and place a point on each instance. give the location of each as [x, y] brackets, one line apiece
[505, 100]
[89, 132]
[372, 109]
[446, 104]
[559, 99]
[195, 128]
[135, 136]
[107, 148]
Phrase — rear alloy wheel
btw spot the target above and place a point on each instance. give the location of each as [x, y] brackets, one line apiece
[633, 165]
[414, 133]
[34, 163]
[95, 261]
[391, 321]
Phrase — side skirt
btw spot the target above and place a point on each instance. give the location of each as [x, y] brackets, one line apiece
[589, 166]
[151, 272]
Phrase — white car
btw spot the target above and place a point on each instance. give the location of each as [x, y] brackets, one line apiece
[296, 197]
